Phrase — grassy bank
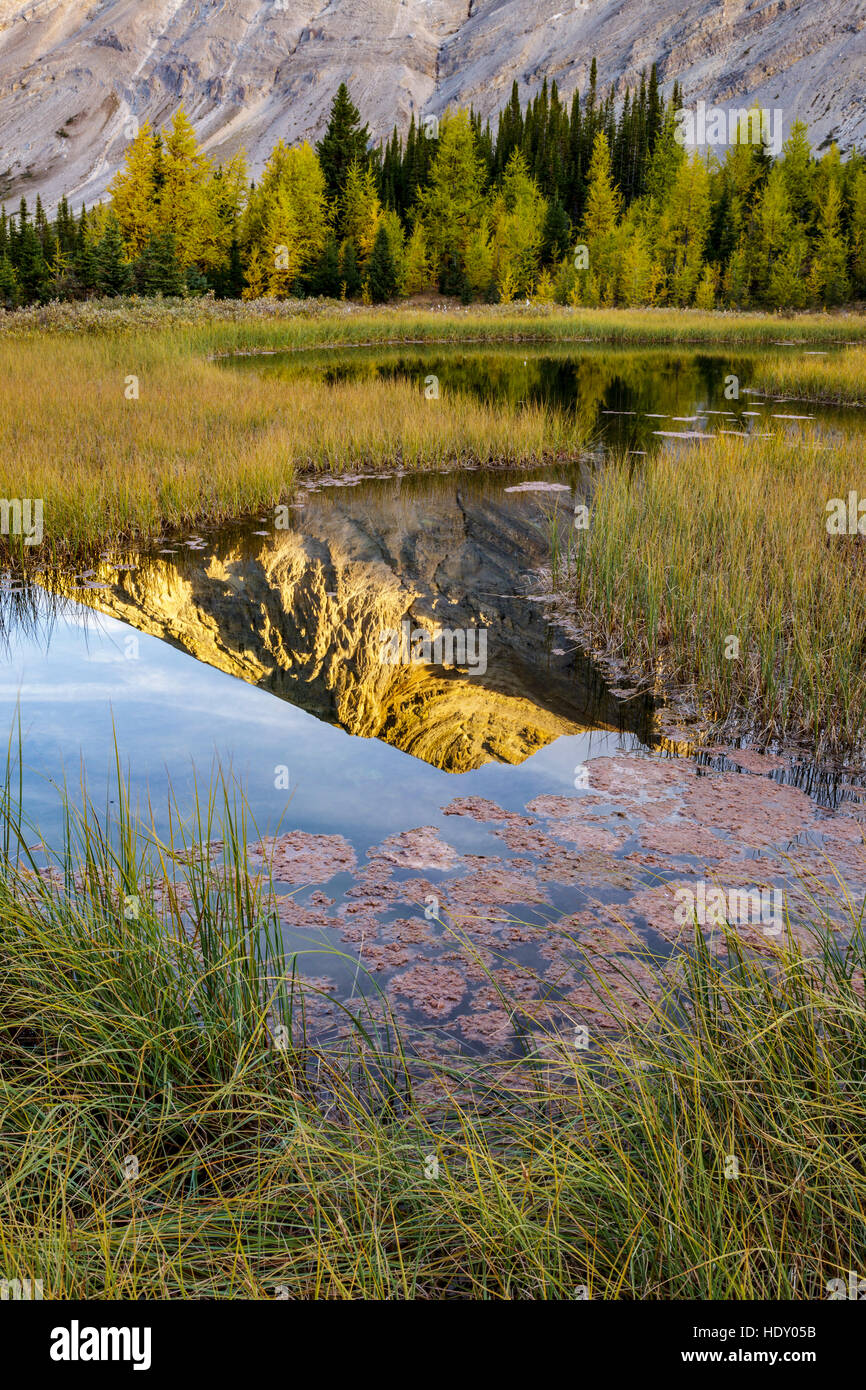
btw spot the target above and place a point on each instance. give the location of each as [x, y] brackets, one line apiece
[233, 325]
[728, 539]
[154, 1143]
[202, 444]
[199, 443]
[840, 378]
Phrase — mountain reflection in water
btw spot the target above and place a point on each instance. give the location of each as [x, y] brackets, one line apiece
[302, 612]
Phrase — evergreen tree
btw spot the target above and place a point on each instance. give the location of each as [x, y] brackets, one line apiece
[343, 145]
[381, 274]
[556, 236]
[350, 276]
[485, 214]
[10, 290]
[655, 111]
[158, 270]
[65, 228]
[228, 280]
[829, 269]
[196, 282]
[31, 268]
[45, 233]
[84, 262]
[858, 231]
[325, 277]
[113, 271]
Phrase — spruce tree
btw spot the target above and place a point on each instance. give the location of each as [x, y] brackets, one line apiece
[381, 275]
[114, 274]
[350, 276]
[233, 275]
[84, 263]
[655, 110]
[574, 175]
[31, 267]
[343, 144]
[157, 270]
[196, 282]
[556, 236]
[325, 279]
[65, 230]
[10, 290]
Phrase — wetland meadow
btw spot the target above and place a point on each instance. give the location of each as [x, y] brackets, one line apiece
[432, 853]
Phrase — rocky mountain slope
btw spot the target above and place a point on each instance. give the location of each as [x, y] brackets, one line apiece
[75, 77]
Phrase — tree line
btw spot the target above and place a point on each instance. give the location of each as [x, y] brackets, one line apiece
[582, 202]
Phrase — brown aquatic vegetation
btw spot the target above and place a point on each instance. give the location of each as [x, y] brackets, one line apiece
[385, 955]
[683, 838]
[434, 989]
[421, 848]
[301, 858]
[480, 809]
[492, 883]
[756, 811]
[750, 759]
[299, 915]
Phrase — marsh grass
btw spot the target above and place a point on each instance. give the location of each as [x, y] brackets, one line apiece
[201, 444]
[728, 539]
[303, 1172]
[232, 325]
[839, 378]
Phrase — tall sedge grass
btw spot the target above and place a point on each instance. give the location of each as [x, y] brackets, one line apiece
[840, 377]
[201, 443]
[306, 1171]
[727, 539]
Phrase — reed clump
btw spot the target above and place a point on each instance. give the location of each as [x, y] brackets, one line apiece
[839, 378]
[710, 571]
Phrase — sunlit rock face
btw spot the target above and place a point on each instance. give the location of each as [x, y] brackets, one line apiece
[73, 76]
[310, 613]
